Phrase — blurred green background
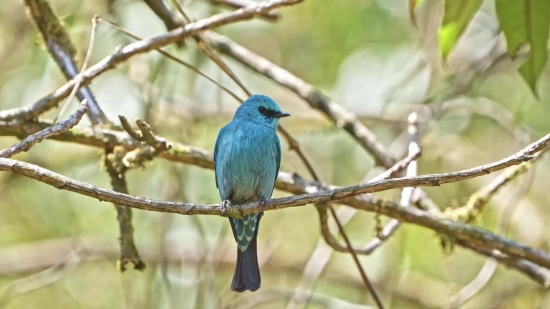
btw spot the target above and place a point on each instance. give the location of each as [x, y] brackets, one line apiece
[365, 55]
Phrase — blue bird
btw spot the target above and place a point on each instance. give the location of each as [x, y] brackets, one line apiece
[247, 157]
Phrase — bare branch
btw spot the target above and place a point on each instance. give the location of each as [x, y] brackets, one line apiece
[104, 138]
[56, 129]
[124, 53]
[187, 154]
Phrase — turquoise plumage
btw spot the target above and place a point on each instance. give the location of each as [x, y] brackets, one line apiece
[247, 157]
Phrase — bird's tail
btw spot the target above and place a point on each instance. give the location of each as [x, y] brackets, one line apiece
[247, 270]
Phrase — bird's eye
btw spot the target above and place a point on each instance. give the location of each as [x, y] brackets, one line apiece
[262, 110]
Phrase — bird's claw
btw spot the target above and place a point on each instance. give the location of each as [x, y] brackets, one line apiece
[263, 203]
[226, 204]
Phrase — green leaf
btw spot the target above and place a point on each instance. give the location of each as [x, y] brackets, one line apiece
[457, 16]
[526, 22]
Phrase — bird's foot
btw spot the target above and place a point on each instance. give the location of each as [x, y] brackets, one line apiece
[226, 204]
[263, 203]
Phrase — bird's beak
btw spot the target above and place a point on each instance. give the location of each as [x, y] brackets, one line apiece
[281, 115]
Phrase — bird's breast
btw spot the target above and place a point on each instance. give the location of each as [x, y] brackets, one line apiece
[249, 164]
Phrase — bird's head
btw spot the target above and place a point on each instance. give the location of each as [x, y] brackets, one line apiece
[260, 109]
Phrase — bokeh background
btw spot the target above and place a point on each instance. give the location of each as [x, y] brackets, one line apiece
[365, 55]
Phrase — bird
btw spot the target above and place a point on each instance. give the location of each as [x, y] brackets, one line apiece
[247, 157]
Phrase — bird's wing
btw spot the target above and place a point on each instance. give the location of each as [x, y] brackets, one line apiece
[278, 160]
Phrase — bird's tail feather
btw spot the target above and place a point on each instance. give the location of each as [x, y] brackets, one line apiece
[247, 270]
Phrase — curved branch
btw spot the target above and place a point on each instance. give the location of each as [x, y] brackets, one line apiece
[187, 154]
[461, 232]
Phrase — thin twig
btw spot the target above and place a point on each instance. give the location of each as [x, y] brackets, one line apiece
[479, 282]
[391, 227]
[478, 200]
[152, 145]
[128, 128]
[56, 129]
[124, 53]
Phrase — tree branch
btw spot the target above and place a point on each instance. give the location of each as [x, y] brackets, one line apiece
[192, 155]
[37, 137]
